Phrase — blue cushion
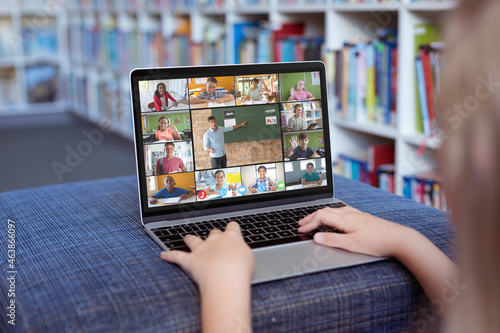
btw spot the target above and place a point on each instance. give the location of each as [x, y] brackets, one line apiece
[84, 263]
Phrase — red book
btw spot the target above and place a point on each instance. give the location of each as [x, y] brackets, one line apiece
[300, 51]
[394, 78]
[429, 85]
[378, 155]
[287, 30]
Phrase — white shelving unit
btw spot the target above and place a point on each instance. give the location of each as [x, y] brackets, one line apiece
[86, 76]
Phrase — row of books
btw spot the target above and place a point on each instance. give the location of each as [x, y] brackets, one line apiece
[365, 80]
[425, 188]
[429, 66]
[23, 3]
[8, 91]
[39, 36]
[104, 102]
[364, 165]
[364, 1]
[386, 180]
[256, 42]
[106, 46]
[6, 46]
[41, 82]
[377, 169]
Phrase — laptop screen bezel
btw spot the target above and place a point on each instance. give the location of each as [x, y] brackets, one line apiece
[198, 209]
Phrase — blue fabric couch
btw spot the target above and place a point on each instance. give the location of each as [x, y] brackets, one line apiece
[84, 263]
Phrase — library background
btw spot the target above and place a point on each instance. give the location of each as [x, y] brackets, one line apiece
[384, 60]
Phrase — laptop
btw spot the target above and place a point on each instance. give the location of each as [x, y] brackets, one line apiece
[245, 160]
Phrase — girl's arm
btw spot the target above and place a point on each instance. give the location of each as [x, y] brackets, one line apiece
[311, 96]
[209, 190]
[157, 103]
[167, 95]
[364, 233]
[222, 266]
[175, 132]
[234, 188]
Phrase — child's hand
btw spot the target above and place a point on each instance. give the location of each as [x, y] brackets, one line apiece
[364, 233]
[292, 91]
[153, 201]
[223, 257]
[294, 142]
[219, 100]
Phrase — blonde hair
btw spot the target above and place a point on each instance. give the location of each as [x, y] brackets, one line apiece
[469, 110]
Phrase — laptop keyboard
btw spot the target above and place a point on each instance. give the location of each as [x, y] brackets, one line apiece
[259, 230]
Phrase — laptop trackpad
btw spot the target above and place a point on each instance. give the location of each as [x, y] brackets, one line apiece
[301, 258]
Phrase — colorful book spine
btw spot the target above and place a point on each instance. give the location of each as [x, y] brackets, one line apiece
[370, 82]
[365, 81]
[365, 166]
[425, 188]
[431, 61]
[422, 97]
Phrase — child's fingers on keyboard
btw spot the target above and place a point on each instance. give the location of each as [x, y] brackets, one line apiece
[192, 241]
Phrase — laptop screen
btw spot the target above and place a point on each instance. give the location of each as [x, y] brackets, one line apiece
[225, 136]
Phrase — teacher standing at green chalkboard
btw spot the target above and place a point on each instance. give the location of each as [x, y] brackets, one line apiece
[213, 142]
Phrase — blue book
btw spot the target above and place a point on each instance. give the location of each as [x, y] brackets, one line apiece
[241, 32]
[288, 50]
[355, 170]
[379, 54]
[352, 88]
[264, 45]
[407, 182]
[386, 117]
[422, 96]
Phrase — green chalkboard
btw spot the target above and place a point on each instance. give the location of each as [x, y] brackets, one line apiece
[256, 115]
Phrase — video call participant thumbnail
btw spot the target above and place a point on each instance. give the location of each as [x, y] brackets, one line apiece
[221, 183]
[212, 95]
[169, 163]
[170, 191]
[310, 177]
[166, 131]
[161, 97]
[296, 122]
[299, 149]
[213, 142]
[262, 181]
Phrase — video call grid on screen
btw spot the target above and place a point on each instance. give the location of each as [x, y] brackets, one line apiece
[282, 142]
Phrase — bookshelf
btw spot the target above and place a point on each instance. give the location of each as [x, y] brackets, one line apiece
[99, 42]
[31, 57]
